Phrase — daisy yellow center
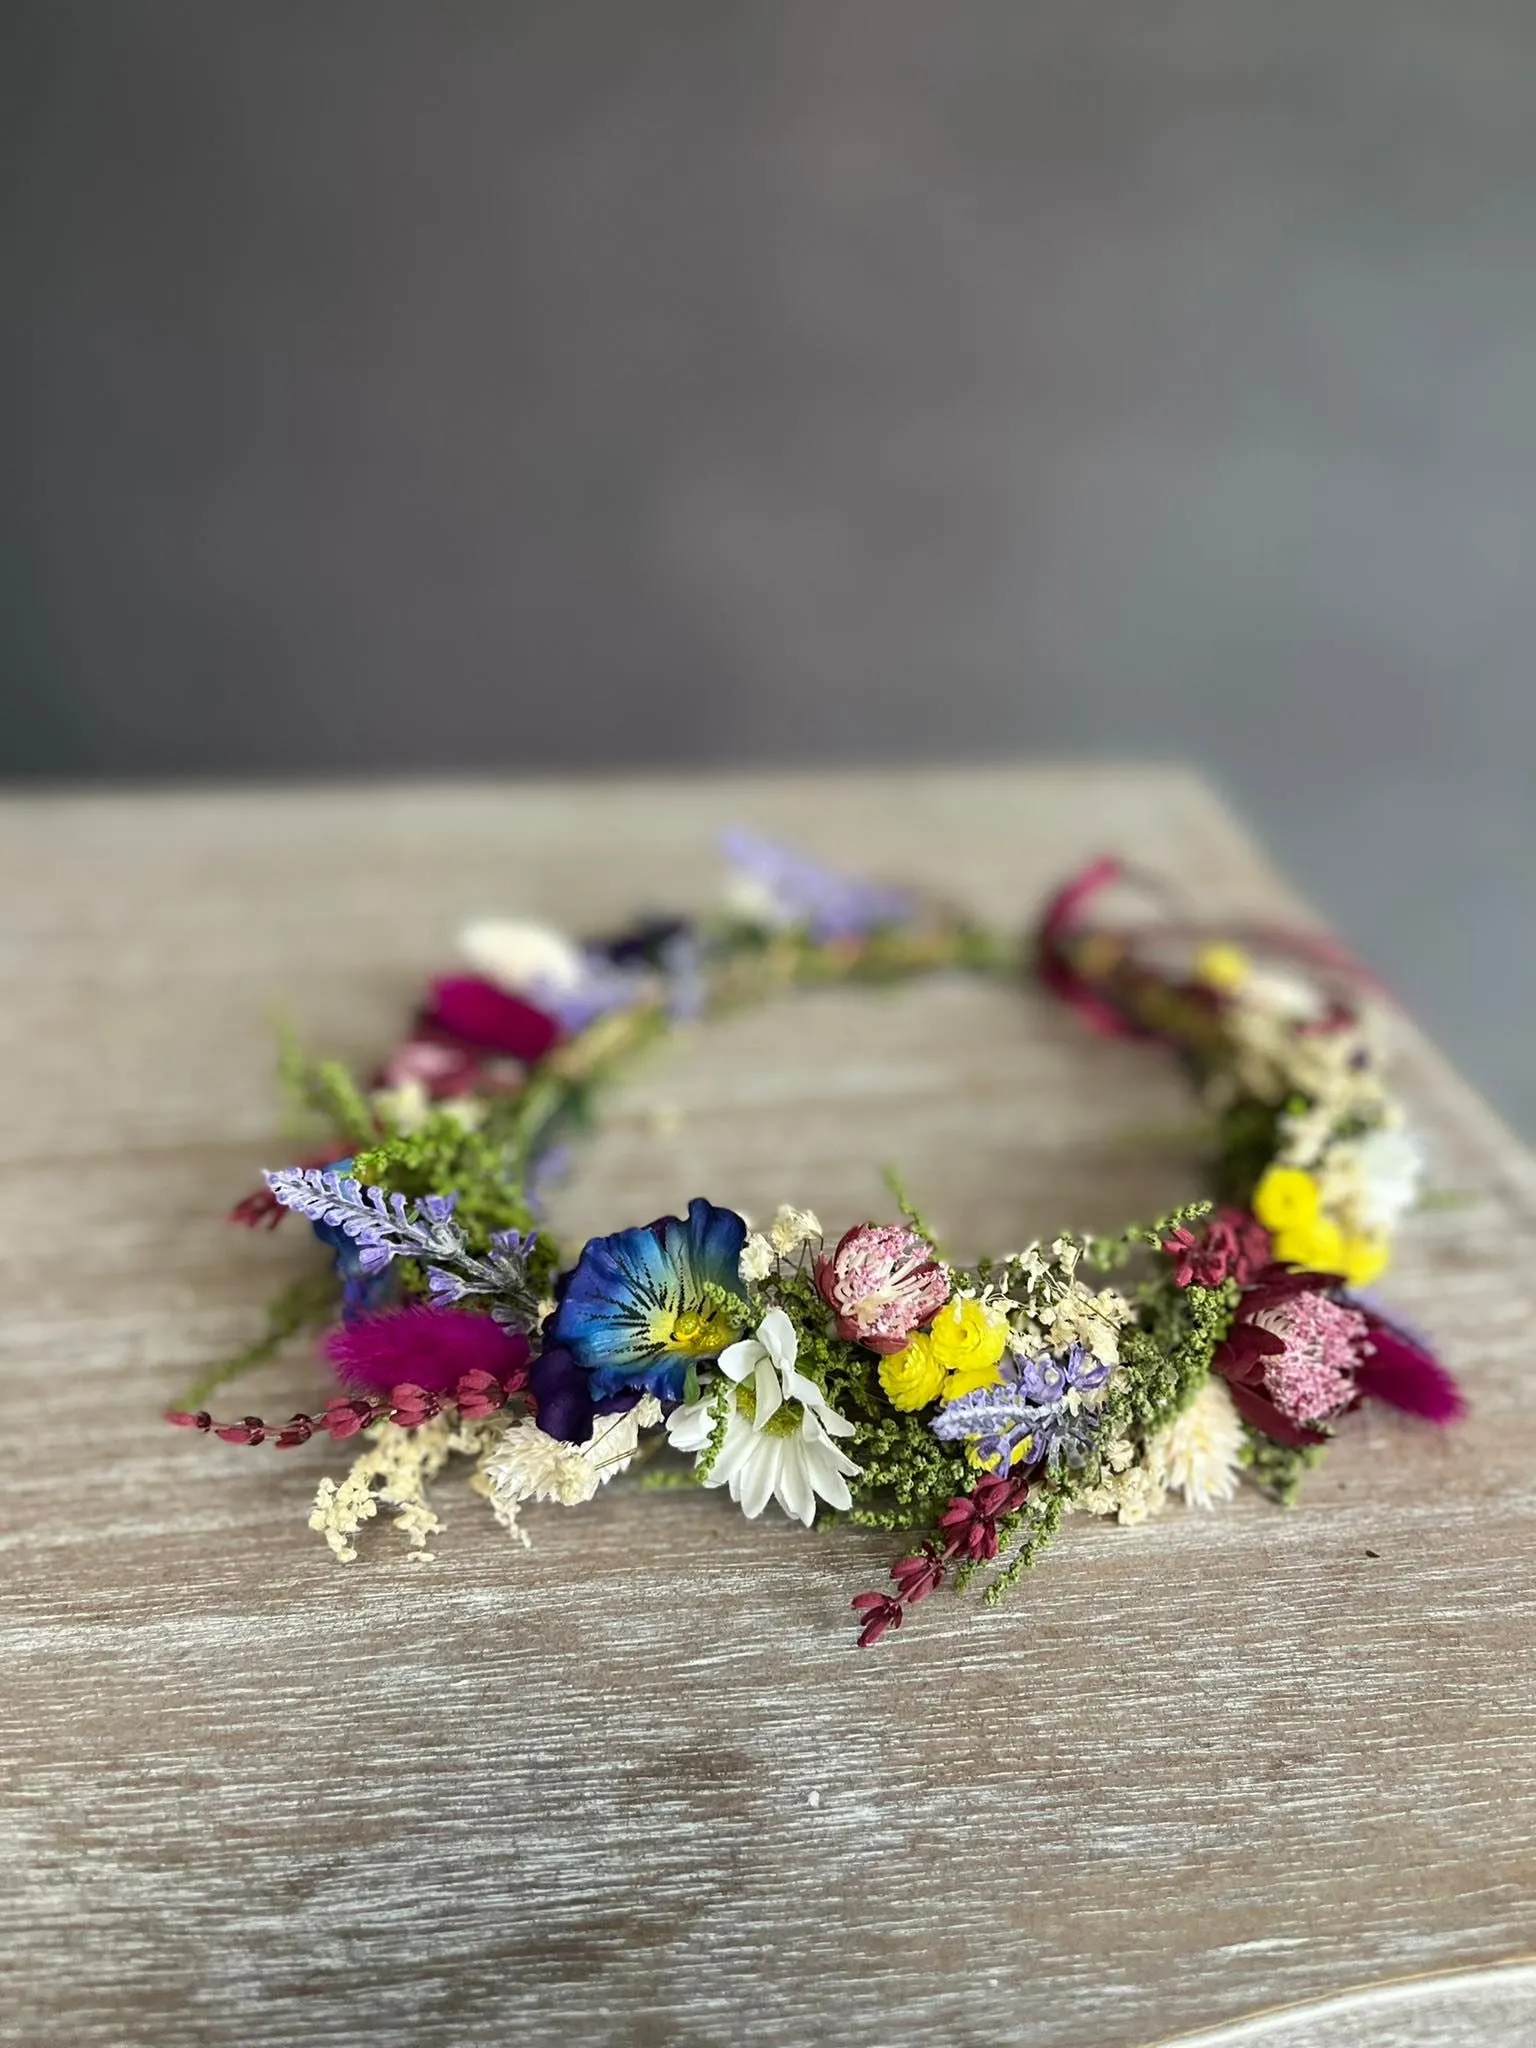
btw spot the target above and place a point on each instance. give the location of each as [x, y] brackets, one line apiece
[785, 1419]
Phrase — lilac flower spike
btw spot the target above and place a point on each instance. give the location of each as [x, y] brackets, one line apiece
[385, 1227]
[1027, 1411]
[800, 891]
[382, 1226]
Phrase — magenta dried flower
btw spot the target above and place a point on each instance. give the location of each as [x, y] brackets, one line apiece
[425, 1346]
[882, 1282]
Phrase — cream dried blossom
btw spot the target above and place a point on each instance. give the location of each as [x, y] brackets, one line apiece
[757, 1260]
[1337, 1068]
[1198, 1453]
[527, 1464]
[1303, 1135]
[1092, 1320]
[793, 1228]
[1128, 1489]
[392, 1472]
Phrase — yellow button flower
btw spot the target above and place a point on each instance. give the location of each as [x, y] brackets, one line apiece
[968, 1340]
[912, 1377]
[1286, 1199]
[1365, 1259]
[1318, 1244]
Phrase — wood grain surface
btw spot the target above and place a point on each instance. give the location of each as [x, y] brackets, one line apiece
[635, 1785]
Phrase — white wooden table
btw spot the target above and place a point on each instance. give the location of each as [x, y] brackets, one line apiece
[635, 1785]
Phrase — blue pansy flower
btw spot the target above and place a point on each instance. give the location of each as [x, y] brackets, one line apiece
[633, 1311]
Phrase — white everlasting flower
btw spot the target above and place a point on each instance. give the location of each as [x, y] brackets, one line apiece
[792, 1228]
[1197, 1454]
[523, 957]
[779, 1428]
[1371, 1183]
[527, 1464]
[757, 1259]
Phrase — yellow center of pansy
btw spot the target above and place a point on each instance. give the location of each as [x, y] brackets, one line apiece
[693, 1333]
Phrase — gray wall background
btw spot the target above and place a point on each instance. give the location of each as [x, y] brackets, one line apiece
[391, 386]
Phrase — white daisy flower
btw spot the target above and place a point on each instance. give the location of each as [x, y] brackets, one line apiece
[522, 957]
[779, 1429]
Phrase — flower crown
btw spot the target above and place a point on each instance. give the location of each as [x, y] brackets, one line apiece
[870, 1379]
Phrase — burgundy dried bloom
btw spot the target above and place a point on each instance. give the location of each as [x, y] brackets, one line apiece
[917, 1577]
[1400, 1369]
[969, 1524]
[882, 1282]
[1232, 1246]
[880, 1612]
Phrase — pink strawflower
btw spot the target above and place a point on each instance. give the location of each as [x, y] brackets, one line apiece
[424, 1346]
[882, 1282]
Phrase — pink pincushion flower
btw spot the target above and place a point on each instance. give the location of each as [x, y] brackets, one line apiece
[1292, 1356]
[1300, 1351]
[424, 1346]
[882, 1282]
[1313, 1377]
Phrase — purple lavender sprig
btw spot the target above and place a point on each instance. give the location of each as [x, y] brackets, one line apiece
[831, 906]
[387, 1226]
[1028, 1406]
[381, 1225]
[503, 1275]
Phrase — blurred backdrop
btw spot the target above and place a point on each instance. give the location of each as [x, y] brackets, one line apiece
[391, 386]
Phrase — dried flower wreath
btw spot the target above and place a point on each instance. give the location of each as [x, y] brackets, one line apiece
[870, 1380]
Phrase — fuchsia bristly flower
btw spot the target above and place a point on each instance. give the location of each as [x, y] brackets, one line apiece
[479, 1014]
[882, 1282]
[424, 1346]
